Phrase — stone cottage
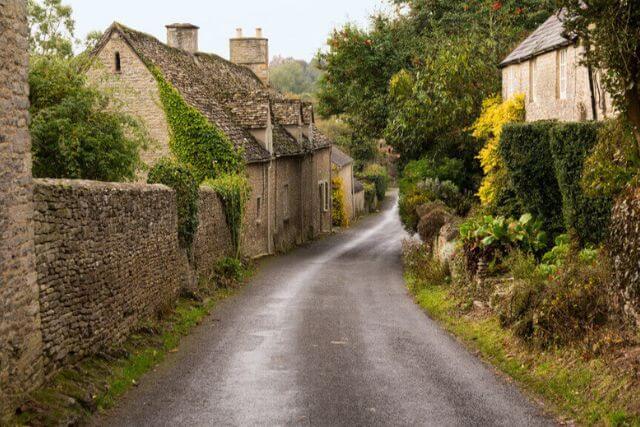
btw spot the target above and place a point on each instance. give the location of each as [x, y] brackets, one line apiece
[546, 68]
[288, 160]
[343, 167]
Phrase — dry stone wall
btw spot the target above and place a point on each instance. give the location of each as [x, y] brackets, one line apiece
[107, 259]
[213, 238]
[20, 339]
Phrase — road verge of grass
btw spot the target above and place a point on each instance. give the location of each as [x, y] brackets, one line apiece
[592, 390]
[96, 383]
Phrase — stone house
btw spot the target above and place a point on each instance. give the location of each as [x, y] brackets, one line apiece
[547, 68]
[343, 167]
[287, 158]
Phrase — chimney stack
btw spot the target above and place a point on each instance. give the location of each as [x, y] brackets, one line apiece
[183, 36]
[252, 52]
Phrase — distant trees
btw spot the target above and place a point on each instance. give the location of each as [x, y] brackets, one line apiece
[294, 76]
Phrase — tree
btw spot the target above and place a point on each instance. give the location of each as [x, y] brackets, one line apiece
[77, 131]
[610, 31]
[293, 76]
[52, 28]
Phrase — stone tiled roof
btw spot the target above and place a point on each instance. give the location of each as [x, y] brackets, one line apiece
[547, 37]
[340, 158]
[229, 95]
[190, 77]
[287, 111]
[320, 140]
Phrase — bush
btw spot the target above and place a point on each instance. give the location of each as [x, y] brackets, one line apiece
[586, 218]
[339, 208]
[234, 191]
[76, 130]
[181, 179]
[614, 163]
[490, 239]
[408, 205]
[378, 176]
[526, 151]
[433, 217]
[369, 194]
[424, 268]
[443, 169]
[447, 192]
[561, 309]
[229, 272]
[496, 186]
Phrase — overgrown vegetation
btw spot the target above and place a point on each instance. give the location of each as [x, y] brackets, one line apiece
[339, 215]
[234, 191]
[193, 139]
[379, 177]
[180, 177]
[593, 385]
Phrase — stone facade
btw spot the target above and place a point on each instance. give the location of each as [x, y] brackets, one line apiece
[108, 258]
[20, 337]
[136, 89]
[543, 98]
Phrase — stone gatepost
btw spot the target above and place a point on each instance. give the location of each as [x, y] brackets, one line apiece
[20, 335]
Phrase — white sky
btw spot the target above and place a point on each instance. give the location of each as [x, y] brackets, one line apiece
[296, 28]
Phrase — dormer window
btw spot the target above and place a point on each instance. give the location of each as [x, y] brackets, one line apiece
[118, 64]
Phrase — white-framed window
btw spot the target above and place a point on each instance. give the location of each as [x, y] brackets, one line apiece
[324, 195]
[562, 73]
[259, 210]
[285, 200]
[511, 88]
[533, 71]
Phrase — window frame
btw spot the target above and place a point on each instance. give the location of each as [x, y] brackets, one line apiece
[533, 75]
[563, 74]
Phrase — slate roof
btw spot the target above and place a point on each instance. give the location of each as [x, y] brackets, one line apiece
[340, 158]
[547, 37]
[229, 95]
[320, 140]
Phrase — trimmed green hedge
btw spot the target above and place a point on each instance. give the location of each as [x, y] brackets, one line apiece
[526, 151]
[586, 218]
[181, 178]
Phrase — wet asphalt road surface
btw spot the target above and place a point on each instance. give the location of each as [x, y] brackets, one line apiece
[326, 335]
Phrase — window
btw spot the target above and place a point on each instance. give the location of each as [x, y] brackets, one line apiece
[285, 200]
[259, 210]
[511, 90]
[118, 64]
[533, 69]
[324, 195]
[562, 74]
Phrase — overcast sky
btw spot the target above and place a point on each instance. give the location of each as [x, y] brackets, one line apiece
[296, 28]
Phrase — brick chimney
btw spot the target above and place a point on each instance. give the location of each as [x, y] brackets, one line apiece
[183, 36]
[252, 52]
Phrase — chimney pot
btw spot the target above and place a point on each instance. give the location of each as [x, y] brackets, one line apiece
[239, 33]
[259, 33]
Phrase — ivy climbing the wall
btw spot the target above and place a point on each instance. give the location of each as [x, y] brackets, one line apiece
[234, 192]
[193, 139]
[339, 211]
[179, 177]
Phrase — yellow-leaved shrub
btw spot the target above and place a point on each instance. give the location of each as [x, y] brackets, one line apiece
[495, 114]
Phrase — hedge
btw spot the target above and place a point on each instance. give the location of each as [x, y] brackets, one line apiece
[586, 218]
[180, 178]
[526, 151]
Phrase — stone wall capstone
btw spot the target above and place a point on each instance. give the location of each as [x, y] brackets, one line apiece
[107, 258]
[20, 339]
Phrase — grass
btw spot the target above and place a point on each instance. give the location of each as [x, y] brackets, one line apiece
[590, 390]
[96, 383]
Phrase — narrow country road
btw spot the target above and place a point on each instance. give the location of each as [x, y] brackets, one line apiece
[326, 335]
